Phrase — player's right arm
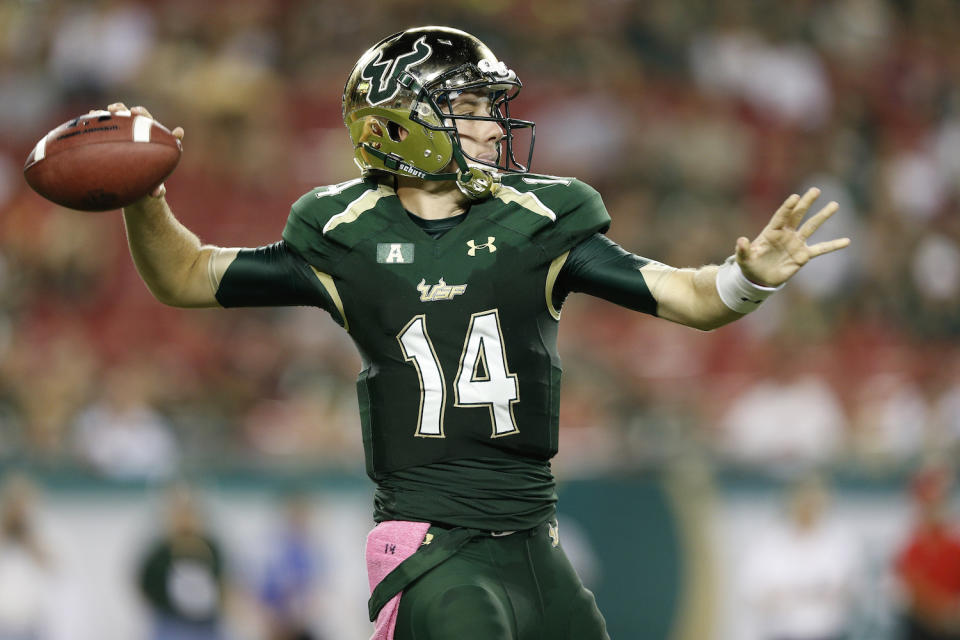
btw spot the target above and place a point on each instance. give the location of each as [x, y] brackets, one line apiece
[176, 268]
[180, 271]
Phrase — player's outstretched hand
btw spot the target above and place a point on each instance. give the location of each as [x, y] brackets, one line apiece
[781, 248]
[142, 111]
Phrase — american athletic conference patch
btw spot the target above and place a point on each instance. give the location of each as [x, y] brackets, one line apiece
[394, 252]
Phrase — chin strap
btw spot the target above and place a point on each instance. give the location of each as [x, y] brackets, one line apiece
[473, 182]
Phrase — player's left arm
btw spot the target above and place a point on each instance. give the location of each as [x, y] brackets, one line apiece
[713, 296]
[708, 297]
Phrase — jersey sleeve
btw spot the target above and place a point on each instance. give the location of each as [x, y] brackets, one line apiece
[304, 230]
[558, 213]
[318, 227]
[273, 276]
[582, 215]
[600, 267]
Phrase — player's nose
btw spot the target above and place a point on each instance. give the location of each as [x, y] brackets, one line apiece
[491, 131]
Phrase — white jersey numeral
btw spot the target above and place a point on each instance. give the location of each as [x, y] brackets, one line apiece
[483, 378]
[418, 349]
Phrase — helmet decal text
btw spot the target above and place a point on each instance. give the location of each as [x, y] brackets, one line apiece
[383, 74]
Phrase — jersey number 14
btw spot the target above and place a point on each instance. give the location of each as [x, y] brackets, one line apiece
[483, 377]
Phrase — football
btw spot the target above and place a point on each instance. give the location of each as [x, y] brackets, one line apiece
[102, 160]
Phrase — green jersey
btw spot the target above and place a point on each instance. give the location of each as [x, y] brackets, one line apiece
[459, 392]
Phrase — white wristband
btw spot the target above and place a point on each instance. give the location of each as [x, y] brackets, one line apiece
[736, 291]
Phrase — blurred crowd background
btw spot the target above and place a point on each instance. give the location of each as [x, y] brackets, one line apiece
[694, 119]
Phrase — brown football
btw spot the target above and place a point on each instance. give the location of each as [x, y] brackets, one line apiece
[102, 160]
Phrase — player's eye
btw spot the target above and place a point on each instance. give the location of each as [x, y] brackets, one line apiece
[474, 108]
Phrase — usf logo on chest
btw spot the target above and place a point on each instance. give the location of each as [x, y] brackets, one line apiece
[439, 291]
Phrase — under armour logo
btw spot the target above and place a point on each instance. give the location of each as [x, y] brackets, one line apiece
[488, 245]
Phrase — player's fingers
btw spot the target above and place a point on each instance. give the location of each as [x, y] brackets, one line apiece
[116, 106]
[178, 133]
[826, 247]
[781, 215]
[817, 219]
[159, 191]
[141, 111]
[742, 249]
[803, 205]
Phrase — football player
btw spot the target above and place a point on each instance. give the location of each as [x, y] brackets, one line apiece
[447, 262]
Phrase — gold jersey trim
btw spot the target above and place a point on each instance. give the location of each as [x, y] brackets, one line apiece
[331, 288]
[552, 274]
[366, 201]
[528, 200]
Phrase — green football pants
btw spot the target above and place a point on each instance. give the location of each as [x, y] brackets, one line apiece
[515, 587]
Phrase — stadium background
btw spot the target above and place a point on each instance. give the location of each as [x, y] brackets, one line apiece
[693, 119]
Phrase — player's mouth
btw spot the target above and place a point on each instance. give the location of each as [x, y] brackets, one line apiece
[490, 156]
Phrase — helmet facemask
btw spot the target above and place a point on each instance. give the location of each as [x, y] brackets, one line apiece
[501, 87]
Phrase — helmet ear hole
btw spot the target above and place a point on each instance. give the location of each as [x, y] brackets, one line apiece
[396, 132]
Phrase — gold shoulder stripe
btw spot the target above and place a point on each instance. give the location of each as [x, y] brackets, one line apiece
[331, 288]
[552, 273]
[366, 201]
[528, 201]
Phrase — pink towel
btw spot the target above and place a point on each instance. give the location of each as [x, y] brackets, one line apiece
[389, 544]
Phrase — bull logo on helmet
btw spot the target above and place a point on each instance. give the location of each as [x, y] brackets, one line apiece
[382, 74]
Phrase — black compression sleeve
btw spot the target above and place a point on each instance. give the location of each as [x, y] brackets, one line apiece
[271, 276]
[602, 268]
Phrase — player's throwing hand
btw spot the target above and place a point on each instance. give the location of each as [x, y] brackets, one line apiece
[142, 111]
